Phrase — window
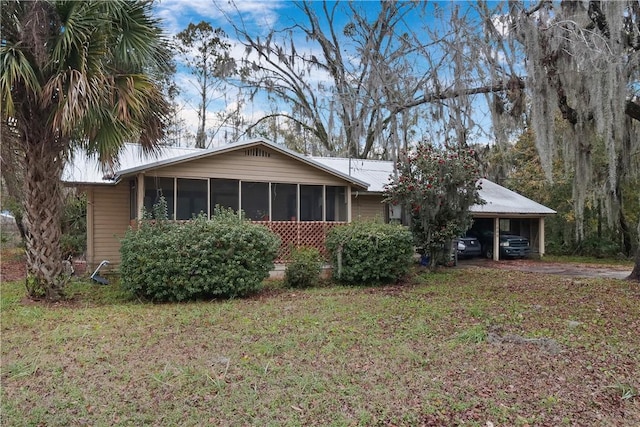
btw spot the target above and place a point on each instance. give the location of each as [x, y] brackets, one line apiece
[255, 200]
[311, 202]
[225, 192]
[260, 201]
[395, 211]
[336, 202]
[284, 202]
[154, 188]
[192, 198]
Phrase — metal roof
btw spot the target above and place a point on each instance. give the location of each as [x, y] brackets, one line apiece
[85, 169]
[501, 200]
[371, 175]
[375, 172]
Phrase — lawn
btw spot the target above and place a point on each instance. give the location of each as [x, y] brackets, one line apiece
[471, 346]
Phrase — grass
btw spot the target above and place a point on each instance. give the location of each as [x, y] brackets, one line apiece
[416, 354]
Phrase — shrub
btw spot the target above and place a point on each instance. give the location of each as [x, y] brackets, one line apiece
[304, 269]
[74, 225]
[598, 247]
[370, 252]
[222, 257]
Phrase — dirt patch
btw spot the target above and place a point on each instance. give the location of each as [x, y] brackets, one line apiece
[562, 269]
[12, 266]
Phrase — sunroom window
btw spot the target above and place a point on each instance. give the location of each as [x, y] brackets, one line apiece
[255, 200]
[311, 202]
[336, 202]
[225, 192]
[192, 198]
[260, 201]
[154, 188]
[284, 202]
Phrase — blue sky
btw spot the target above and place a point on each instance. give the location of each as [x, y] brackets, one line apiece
[176, 15]
[259, 16]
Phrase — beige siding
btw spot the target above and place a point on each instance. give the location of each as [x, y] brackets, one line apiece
[110, 207]
[367, 207]
[241, 164]
[109, 210]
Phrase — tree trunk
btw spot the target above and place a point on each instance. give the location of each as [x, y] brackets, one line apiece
[635, 274]
[42, 215]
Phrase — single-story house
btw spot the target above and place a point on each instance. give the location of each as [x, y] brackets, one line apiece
[296, 196]
[504, 210]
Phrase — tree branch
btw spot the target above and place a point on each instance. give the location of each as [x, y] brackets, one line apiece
[514, 82]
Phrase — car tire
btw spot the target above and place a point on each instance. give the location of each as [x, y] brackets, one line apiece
[489, 253]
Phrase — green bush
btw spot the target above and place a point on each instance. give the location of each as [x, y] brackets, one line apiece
[599, 247]
[304, 268]
[74, 225]
[222, 257]
[370, 252]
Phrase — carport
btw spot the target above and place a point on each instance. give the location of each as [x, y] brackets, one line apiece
[506, 210]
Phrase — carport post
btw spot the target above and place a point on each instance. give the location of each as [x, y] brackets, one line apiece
[496, 239]
[541, 238]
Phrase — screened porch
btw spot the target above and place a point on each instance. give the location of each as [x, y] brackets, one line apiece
[301, 214]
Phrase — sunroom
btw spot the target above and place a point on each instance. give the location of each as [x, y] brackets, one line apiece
[260, 201]
[295, 196]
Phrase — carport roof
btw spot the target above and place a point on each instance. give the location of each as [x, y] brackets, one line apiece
[501, 200]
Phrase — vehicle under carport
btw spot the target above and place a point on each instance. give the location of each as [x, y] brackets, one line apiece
[507, 211]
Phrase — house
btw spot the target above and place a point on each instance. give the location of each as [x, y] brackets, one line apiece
[296, 196]
[503, 210]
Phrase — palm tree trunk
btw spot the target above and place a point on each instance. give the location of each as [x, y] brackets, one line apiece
[42, 214]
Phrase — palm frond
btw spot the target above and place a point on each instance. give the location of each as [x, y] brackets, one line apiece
[99, 83]
[141, 45]
[17, 72]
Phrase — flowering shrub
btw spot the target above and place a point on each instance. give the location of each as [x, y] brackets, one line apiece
[437, 185]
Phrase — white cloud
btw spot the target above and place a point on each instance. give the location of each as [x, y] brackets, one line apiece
[263, 14]
[177, 14]
[502, 24]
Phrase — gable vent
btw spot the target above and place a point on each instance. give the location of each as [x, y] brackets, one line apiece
[256, 152]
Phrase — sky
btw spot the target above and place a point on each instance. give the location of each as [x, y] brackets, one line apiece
[258, 16]
[176, 15]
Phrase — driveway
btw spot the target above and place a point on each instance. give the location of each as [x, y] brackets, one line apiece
[562, 269]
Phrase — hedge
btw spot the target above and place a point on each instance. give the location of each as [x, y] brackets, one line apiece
[370, 252]
[226, 256]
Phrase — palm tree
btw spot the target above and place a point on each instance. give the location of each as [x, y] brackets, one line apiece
[75, 75]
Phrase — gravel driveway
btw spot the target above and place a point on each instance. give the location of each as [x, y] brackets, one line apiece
[562, 269]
